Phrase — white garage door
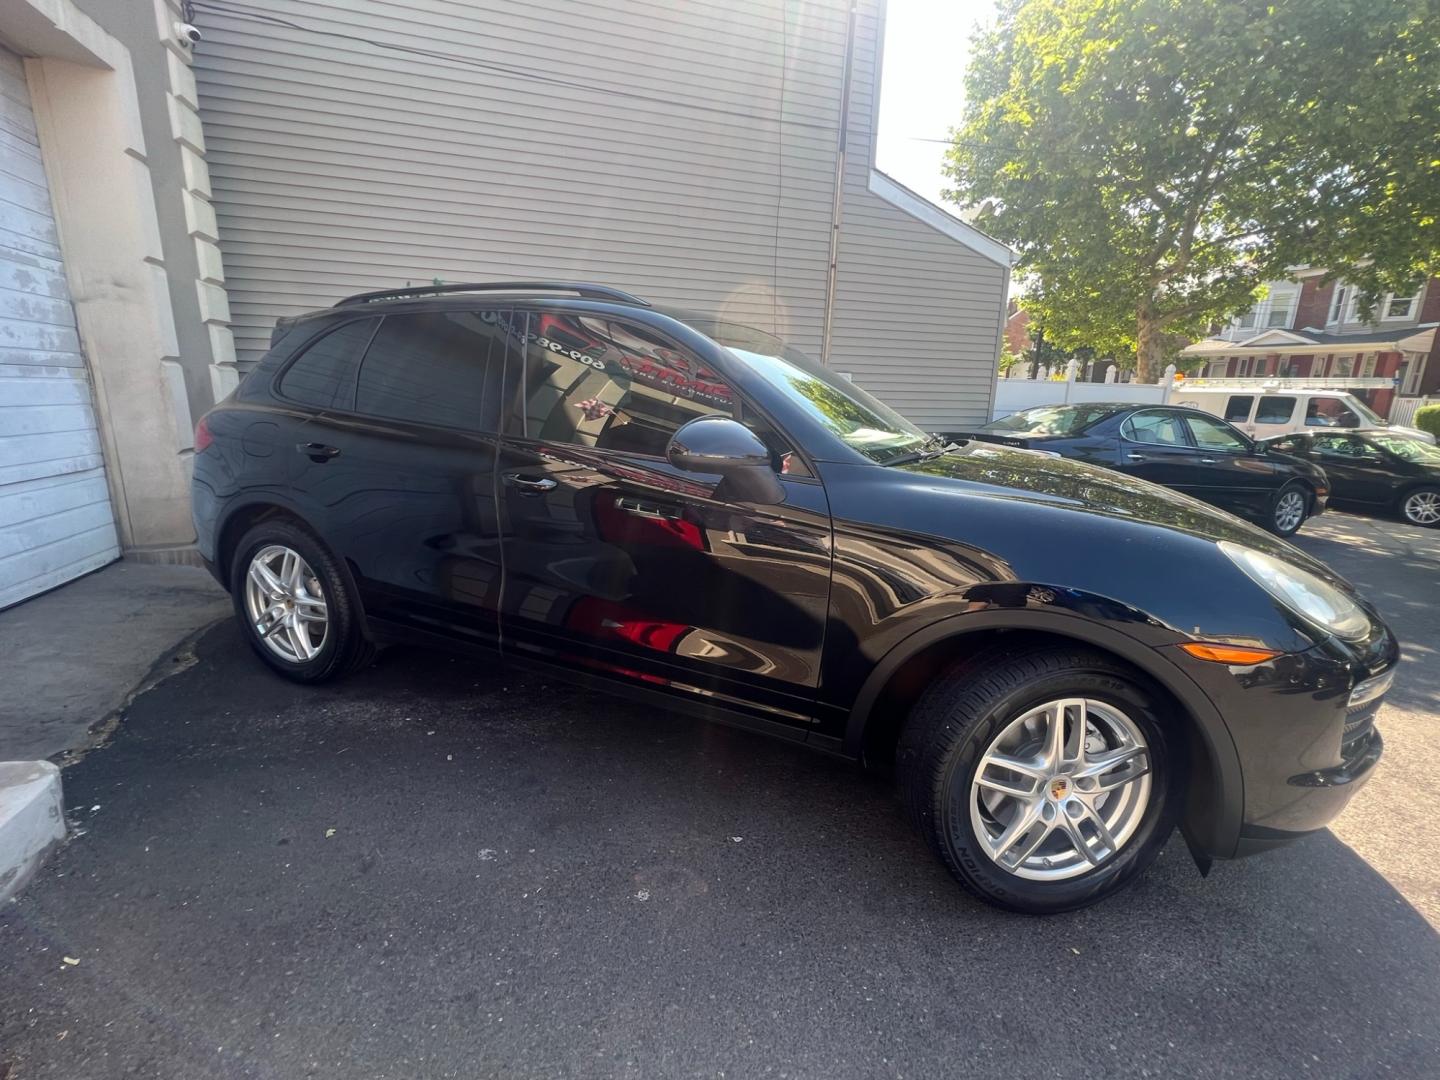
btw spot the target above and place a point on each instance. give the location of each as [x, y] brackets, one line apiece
[55, 517]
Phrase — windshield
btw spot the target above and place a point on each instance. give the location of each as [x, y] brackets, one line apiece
[1408, 449]
[1365, 413]
[1051, 419]
[865, 423]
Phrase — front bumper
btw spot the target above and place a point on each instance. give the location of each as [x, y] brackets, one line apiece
[1303, 751]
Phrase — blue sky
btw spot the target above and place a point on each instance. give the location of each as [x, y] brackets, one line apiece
[922, 87]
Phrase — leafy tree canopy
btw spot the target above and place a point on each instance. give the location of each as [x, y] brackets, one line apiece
[1155, 161]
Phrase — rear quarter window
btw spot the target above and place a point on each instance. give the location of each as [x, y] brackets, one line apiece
[322, 376]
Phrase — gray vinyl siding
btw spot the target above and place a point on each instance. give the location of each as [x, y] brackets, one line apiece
[685, 152]
[917, 314]
[56, 522]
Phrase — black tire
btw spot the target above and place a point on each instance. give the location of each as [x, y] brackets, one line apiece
[1294, 487]
[345, 647]
[953, 725]
[1403, 506]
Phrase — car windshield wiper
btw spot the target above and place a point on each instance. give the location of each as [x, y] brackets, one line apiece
[932, 447]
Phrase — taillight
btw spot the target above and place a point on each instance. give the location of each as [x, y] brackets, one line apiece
[203, 438]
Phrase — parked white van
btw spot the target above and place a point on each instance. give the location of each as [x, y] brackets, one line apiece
[1261, 412]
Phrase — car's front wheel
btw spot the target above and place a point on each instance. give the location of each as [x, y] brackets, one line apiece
[1422, 507]
[1043, 778]
[294, 605]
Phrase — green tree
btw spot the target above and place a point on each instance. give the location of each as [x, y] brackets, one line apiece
[1155, 161]
[1008, 357]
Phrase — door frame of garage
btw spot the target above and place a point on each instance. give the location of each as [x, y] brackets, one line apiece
[87, 112]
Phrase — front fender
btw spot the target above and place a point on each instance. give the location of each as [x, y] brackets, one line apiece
[1216, 800]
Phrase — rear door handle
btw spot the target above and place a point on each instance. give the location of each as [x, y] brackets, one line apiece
[317, 452]
[1209, 461]
[528, 485]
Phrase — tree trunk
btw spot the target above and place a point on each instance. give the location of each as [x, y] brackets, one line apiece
[1149, 348]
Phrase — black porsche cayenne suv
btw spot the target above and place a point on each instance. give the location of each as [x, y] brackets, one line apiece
[1061, 663]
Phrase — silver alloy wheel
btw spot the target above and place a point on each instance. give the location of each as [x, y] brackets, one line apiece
[1423, 507]
[1289, 511]
[286, 604]
[1061, 789]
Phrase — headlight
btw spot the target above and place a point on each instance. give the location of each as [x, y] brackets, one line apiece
[1318, 602]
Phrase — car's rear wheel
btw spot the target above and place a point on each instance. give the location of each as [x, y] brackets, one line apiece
[1043, 779]
[1422, 507]
[294, 605]
[1288, 511]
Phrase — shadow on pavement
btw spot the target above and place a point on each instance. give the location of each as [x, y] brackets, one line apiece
[526, 880]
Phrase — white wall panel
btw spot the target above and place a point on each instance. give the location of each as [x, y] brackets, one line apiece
[56, 521]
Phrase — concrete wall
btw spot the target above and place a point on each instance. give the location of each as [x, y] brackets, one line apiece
[87, 112]
[169, 118]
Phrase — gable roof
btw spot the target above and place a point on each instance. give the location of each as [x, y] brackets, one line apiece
[1275, 337]
[1300, 342]
[898, 195]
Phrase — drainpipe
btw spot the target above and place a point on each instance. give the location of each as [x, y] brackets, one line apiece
[837, 204]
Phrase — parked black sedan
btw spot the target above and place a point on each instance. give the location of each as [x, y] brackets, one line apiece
[1378, 469]
[1185, 449]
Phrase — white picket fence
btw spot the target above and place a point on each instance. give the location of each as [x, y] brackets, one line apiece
[1012, 395]
[1403, 410]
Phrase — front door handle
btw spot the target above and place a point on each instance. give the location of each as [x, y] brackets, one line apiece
[317, 452]
[1136, 457]
[528, 485]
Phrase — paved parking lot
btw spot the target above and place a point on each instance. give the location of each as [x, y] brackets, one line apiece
[1394, 824]
[442, 869]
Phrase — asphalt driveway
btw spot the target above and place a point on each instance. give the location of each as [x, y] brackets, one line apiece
[443, 869]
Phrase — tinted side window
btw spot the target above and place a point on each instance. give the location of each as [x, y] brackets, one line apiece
[614, 385]
[434, 368]
[1275, 410]
[1237, 409]
[323, 375]
[1154, 427]
[1213, 435]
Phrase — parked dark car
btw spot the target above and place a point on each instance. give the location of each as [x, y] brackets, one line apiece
[1059, 662]
[1376, 469]
[1185, 449]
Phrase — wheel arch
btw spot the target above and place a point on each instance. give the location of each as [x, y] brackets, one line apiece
[1215, 795]
[243, 516]
[239, 518]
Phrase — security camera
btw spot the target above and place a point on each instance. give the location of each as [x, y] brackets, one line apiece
[186, 33]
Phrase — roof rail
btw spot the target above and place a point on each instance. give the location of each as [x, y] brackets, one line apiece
[592, 292]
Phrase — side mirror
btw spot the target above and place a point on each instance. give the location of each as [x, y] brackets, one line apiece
[719, 445]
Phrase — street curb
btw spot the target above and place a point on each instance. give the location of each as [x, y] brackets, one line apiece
[32, 820]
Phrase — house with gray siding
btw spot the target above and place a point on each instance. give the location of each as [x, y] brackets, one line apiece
[164, 200]
[711, 155]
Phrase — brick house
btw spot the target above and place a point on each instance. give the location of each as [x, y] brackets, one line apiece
[1017, 329]
[1307, 328]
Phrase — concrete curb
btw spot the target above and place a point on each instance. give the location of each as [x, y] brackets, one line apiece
[32, 820]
